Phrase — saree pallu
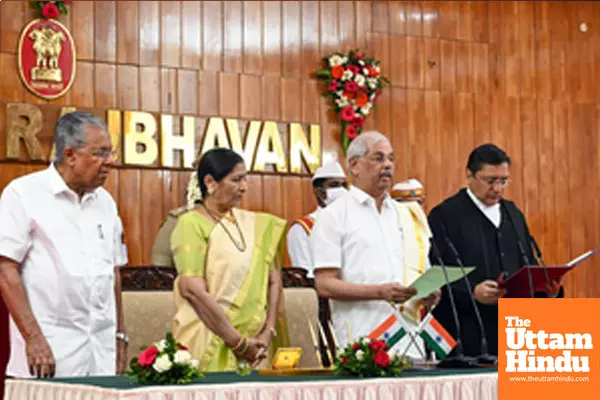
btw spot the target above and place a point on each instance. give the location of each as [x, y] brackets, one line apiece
[237, 280]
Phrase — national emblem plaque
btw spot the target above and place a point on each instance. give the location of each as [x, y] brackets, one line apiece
[46, 57]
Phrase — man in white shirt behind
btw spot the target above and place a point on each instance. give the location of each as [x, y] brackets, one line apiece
[329, 184]
[369, 248]
[61, 240]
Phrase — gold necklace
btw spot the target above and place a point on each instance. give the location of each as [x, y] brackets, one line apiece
[240, 246]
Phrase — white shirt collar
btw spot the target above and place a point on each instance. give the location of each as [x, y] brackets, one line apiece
[58, 184]
[363, 197]
[479, 203]
[315, 214]
[491, 212]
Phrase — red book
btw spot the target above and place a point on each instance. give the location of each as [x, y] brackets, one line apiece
[518, 285]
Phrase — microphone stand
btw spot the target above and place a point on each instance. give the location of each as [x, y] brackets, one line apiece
[538, 253]
[524, 258]
[484, 357]
[459, 360]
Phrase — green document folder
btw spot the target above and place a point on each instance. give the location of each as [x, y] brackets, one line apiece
[433, 279]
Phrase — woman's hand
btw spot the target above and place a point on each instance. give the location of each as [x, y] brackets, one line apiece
[255, 353]
[265, 336]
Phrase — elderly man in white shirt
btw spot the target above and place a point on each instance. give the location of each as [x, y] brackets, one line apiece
[61, 241]
[369, 248]
[329, 184]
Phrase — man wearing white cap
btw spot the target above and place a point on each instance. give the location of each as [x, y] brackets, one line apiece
[329, 183]
[409, 190]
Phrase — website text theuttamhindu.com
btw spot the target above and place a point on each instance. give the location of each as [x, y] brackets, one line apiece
[549, 379]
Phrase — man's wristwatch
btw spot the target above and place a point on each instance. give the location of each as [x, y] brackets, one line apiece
[122, 336]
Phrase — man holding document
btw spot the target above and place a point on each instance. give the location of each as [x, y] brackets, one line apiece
[368, 250]
[479, 228]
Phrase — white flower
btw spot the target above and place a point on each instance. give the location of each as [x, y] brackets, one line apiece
[347, 75]
[193, 191]
[182, 357]
[342, 102]
[339, 93]
[360, 80]
[344, 60]
[372, 82]
[161, 346]
[360, 355]
[162, 364]
[361, 62]
[194, 364]
[365, 71]
[335, 60]
[366, 109]
[392, 353]
[340, 352]
[377, 68]
[372, 97]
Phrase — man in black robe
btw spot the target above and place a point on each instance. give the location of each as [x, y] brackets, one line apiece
[489, 233]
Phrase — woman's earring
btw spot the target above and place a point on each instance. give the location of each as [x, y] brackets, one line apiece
[211, 190]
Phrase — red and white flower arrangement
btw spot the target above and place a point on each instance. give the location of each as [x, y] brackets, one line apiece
[368, 358]
[50, 9]
[166, 362]
[353, 82]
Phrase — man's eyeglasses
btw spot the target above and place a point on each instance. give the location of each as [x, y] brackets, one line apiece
[380, 158]
[493, 181]
[103, 153]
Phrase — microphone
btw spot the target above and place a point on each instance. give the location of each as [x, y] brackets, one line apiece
[539, 256]
[521, 249]
[459, 360]
[484, 357]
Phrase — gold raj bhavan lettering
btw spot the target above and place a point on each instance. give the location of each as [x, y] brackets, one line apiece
[149, 140]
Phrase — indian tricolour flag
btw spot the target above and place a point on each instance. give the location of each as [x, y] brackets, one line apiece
[438, 339]
[390, 331]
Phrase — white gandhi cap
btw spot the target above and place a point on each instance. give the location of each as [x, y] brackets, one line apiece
[332, 169]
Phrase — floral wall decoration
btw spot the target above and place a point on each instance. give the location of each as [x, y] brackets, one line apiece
[50, 9]
[353, 82]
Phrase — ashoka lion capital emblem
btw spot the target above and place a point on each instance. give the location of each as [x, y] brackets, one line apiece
[47, 58]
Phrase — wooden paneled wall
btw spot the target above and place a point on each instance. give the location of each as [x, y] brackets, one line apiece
[521, 74]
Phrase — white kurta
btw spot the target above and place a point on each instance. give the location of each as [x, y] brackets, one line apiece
[67, 250]
[367, 246]
[298, 245]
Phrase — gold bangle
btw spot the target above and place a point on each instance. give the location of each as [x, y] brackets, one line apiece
[239, 343]
[241, 346]
[243, 349]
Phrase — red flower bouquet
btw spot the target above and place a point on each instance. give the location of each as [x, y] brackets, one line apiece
[368, 358]
[50, 9]
[353, 83]
[166, 362]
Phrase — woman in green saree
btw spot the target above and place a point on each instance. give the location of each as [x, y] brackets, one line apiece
[228, 286]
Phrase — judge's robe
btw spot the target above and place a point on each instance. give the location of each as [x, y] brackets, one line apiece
[481, 245]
